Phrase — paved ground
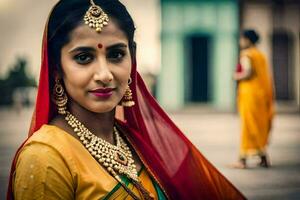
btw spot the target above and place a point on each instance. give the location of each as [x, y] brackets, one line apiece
[217, 136]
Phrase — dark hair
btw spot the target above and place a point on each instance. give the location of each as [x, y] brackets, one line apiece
[68, 14]
[252, 35]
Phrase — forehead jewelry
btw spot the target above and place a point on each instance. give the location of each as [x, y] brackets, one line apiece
[95, 17]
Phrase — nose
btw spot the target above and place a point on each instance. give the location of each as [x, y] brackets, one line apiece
[103, 73]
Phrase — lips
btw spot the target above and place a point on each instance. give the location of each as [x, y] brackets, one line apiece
[102, 92]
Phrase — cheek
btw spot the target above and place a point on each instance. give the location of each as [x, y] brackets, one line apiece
[123, 82]
[124, 72]
[242, 42]
[74, 78]
[123, 77]
[73, 83]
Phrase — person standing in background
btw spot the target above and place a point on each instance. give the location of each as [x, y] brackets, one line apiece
[254, 99]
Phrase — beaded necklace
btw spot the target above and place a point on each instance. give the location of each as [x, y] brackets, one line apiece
[117, 159]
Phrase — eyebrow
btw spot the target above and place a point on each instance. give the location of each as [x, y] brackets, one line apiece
[82, 49]
[92, 49]
[118, 45]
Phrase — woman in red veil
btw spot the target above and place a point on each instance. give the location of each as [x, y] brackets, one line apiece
[76, 148]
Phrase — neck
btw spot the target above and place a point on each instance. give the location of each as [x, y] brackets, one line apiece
[249, 46]
[100, 124]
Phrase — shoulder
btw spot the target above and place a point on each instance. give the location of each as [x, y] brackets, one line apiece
[42, 170]
[44, 147]
[48, 145]
[39, 156]
[51, 136]
[254, 51]
[245, 53]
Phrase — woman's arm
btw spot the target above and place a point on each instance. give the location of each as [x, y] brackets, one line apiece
[246, 69]
[41, 173]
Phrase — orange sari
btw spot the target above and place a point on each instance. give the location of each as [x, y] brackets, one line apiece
[255, 105]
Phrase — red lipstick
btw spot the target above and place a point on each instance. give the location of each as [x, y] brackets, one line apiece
[102, 92]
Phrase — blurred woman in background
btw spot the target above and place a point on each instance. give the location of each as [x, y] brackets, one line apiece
[255, 100]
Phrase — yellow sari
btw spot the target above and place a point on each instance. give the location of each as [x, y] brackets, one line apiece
[55, 165]
[255, 105]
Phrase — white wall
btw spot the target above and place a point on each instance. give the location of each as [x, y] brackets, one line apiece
[259, 17]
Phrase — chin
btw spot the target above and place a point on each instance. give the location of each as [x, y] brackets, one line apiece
[102, 108]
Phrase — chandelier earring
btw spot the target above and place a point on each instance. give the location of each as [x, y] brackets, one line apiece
[127, 99]
[60, 97]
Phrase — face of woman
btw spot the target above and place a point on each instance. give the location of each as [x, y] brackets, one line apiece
[96, 67]
[244, 42]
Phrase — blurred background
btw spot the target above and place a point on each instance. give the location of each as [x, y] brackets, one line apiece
[187, 53]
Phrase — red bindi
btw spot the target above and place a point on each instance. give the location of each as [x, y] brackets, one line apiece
[100, 46]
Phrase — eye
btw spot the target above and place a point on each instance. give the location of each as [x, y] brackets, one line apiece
[116, 55]
[84, 58]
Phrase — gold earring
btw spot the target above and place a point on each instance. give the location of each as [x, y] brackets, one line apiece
[60, 98]
[127, 99]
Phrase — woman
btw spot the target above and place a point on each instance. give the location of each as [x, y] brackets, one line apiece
[76, 148]
[255, 100]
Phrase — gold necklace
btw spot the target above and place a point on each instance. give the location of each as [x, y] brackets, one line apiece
[117, 159]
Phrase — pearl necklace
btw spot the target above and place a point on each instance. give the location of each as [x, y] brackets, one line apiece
[117, 159]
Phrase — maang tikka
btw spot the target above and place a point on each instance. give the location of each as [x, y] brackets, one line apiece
[95, 17]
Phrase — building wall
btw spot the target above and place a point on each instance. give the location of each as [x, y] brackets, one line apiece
[219, 19]
[262, 12]
[270, 18]
[291, 22]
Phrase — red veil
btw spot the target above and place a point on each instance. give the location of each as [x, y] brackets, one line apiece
[174, 161]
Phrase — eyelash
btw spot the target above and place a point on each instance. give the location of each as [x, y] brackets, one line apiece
[115, 56]
[88, 58]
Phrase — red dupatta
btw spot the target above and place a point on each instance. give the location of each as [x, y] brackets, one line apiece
[181, 170]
